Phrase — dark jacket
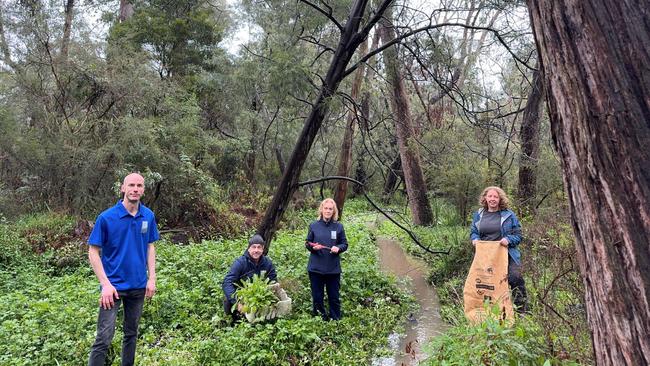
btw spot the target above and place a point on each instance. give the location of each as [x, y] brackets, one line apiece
[510, 228]
[330, 234]
[244, 268]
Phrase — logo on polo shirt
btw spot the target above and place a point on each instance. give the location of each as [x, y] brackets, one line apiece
[145, 227]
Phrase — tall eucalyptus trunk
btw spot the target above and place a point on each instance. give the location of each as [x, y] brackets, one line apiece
[67, 30]
[529, 135]
[126, 10]
[595, 56]
[416, 187]
[345, 156]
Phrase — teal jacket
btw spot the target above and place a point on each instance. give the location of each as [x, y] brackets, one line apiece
[510, 228]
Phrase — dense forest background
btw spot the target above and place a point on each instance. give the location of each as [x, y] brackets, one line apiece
[210, 123]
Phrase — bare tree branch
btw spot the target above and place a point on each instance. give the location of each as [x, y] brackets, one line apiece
[435, 26]
[328, 15]
[378, 14]
[266, 131]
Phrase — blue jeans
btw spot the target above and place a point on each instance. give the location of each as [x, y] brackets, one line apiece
[133, 301]
[331, 282]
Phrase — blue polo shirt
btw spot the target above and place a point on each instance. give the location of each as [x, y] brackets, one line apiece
[124, 242]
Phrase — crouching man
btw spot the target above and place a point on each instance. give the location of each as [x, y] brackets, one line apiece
[252, 262]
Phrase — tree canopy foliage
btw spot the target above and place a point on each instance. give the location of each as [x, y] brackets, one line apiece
[160, 93]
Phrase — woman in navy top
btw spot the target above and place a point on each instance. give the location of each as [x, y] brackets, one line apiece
[325, 242]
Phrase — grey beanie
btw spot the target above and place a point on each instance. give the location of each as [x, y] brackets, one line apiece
[256, 239]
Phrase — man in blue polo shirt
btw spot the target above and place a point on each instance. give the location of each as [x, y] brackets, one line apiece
[123, 257]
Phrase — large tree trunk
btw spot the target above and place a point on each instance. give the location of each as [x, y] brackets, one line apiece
[126, 10]
[595, 57]
[345, 156]
[67, 30]
[529, 134]
[348, 44]
[414, 178]
[393, 174]
[360, 175]
[280, 159]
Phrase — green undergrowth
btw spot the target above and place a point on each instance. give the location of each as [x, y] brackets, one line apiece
[47, 238]
[50, 319]
[492, 343]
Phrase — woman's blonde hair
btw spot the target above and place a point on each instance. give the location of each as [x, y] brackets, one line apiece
[335, 216]
[504, 201]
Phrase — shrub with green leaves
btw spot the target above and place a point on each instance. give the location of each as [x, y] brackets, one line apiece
[14, 247]
[255, 294]
[492, 343]
[52, 239]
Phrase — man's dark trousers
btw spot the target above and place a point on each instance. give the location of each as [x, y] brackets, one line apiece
[133, 301]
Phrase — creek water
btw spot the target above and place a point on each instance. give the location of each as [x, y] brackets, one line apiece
[421, 325]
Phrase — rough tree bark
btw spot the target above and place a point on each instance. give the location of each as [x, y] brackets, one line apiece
[529, 135]
[393, 174]
[360, 173]
[67, 30]
[416, 187]
[345, 156]
[595, 56]
[349, 40]
[126, 10]
[280, 159]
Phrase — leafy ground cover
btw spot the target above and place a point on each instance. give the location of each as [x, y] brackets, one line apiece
[48, 316]
[49, 310]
